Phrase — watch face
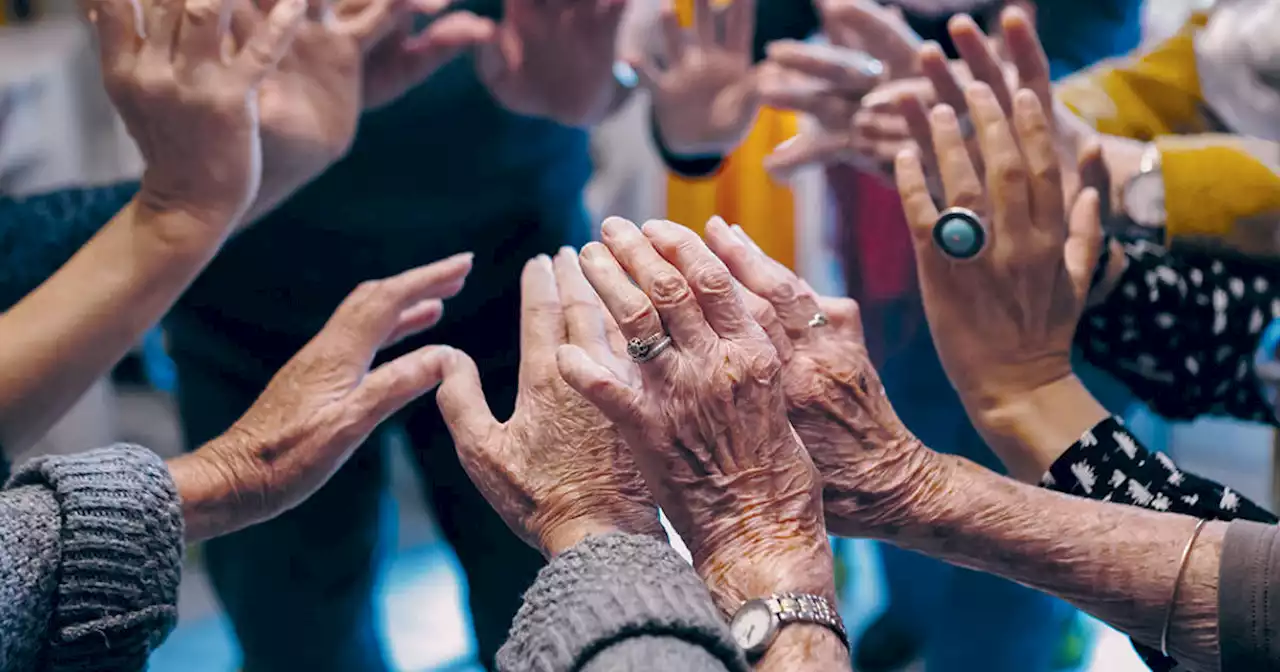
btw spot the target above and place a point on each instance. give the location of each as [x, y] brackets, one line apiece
[753, 625]
[1144, 199]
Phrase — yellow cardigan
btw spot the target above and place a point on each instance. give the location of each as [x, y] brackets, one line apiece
[1212, 181]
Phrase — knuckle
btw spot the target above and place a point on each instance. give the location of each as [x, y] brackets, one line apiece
[639, 319]
[1010, 171]
[782, 292]
[969, 198]
[713, 279]
[670, 289]
[845, 309]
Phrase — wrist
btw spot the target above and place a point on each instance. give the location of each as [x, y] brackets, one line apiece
[563, 534]
[759, 566]
[220, 487]
[878, 499]
[180, 223]
[1029, 430]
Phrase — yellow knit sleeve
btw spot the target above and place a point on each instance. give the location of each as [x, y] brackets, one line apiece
[1150, 93]
[1211, 182]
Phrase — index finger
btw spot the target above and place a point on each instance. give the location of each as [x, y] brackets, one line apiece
[710, 280]
[542, 327]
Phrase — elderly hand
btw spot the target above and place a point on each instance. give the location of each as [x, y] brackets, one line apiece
[707, 419]
[321, 405]
[1003, 321]
[872, 467]
[557, 471]
[192, 111]
[703, 86]
[358, 55]
[869, 44]
[554, 59]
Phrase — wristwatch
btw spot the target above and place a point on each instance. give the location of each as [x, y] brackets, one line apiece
[757, 622]
[1142, 201]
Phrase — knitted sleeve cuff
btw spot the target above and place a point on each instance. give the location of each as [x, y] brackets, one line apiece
[121, 555]
[606, 589]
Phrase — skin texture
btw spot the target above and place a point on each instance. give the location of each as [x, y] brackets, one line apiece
[321, 405]
[835, 399]
[557, 470]
[702, 81]
[708, 427]
[1116, 562]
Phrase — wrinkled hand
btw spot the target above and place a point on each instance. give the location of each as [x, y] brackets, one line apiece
[703, 85]
[707, 420]
[872, 467]
[1003, 322]
[554, 59]
[357, 56]
[192, 112]
[321, 405]
[869, 44]
[557, 471]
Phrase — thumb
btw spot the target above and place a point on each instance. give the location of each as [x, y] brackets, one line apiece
[619, 403]
[461, 400]
[391, 386]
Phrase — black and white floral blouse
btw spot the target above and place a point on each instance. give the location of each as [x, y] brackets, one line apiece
[1181, 331]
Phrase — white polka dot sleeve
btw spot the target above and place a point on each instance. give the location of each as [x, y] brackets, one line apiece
[1181, 328]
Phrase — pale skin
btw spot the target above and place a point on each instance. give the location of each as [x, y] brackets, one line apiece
[306, 76]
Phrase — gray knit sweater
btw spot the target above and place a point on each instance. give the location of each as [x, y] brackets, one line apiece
[90, 559]
[619, 602]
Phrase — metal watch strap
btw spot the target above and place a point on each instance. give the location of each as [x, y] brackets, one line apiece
[804, 608]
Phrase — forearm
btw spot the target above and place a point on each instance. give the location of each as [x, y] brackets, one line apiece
[75, 326]
[1118, 563]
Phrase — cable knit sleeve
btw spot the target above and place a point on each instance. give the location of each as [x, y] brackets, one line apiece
[90, 560]
[619, 602]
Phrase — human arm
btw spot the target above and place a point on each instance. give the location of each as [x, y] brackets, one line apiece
[618, 601]
[76, 593]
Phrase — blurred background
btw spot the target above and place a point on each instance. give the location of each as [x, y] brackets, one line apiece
[58, 128]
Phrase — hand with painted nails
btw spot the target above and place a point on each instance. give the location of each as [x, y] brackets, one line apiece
[871, 466]
[1003, 320]
[557, 471]
[321, 405]
[706, 420]
[703, 81]
[867, 44]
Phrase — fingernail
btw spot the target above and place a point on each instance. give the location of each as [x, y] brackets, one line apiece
[718, 222]
[543, 260]
[786, 143]
[658, 226]
[568, 251]
[613, 226]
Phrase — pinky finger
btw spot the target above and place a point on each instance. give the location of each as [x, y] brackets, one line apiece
[764, 314]
[272, 40]
[619, 402]
[1083, 248]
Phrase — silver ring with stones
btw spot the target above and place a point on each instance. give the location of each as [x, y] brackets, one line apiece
[642, 350]
[818, 320]
[960, 234]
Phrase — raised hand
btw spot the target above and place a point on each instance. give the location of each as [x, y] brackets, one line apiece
[707, 419]
[871, 465]
[1003, 321]
[557, 471]
[321, 405]
[703, 80]
[555, 58]
[192, 112]
[869, 44]
[355, 56]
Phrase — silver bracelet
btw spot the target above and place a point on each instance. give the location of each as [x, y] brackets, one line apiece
[1173, 599]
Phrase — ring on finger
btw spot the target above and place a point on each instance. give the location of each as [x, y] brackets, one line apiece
[960, 233]
[644, 349]
[819, 320]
